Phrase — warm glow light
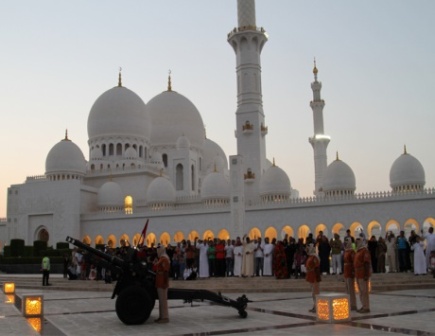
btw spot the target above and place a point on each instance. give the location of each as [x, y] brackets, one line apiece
[357, 288]
[36, 323]
[32, 306]
[9, 287]
[10, 298]
[332, 307]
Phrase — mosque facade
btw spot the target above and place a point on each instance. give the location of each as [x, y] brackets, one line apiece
[153, 161]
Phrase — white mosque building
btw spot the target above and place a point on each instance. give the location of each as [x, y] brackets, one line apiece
[153, 161]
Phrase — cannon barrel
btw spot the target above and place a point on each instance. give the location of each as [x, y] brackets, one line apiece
[109, 258]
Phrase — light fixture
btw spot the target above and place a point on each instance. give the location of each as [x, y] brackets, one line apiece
[33, 305]
[35, 323]
[332, 307]
[8, 287]
[10, 298]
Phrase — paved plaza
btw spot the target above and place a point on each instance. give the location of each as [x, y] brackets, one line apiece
[406, 312]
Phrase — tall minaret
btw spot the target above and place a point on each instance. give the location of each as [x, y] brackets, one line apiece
[247, 41]
[320, 140]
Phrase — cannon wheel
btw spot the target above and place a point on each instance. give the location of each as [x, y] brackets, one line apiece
[134, 305]
[243, 313]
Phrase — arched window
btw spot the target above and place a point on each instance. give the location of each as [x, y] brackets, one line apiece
[119, 149]
[165, 160]
[103, 149]
[179, 177]
[111, 149]
[128, 205]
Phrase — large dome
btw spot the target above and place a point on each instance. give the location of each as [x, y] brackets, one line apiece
[215, 186]
[65, 157]
[160, 191]
[173, 115]
[407, 171]
[110, 196]
[119, 111]
[275, 182]
[339, 178]
[214, 157]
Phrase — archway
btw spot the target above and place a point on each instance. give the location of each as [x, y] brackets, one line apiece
[411, 224]
[223, 235]
[208, 235]
[287, 232]
[374, 229]
[178, 236]
[192, 235]
[125, 238]
[303, 232]
[99, 240]
[43, 235]
[86, 240]
[393, 226]
[165, 239]
[340, 229]
[128, 205]
[150, 239]
[254, 233]
[428, 222]
[270, 233]
[321, 227]
[355, 229]
[111, 241]
[136, 239]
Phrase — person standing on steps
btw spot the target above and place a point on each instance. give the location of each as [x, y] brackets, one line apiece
[313, 273]
[45, 267]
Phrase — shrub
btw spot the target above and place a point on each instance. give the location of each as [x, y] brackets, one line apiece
[39, 248]
[17, 247]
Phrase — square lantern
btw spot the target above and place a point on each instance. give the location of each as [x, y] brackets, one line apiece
[32, 305]
[333, 307]
[8, 287]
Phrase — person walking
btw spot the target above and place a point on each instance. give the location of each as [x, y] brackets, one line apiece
[349, 271]
[45, 267]
[313, 273]
[363, 271]
[162, 268]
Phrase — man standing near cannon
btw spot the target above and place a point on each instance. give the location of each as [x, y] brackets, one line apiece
[162, 267]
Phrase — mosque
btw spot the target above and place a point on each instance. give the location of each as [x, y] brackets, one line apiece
[154, 161]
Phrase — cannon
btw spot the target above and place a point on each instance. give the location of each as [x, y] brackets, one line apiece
[135, 290]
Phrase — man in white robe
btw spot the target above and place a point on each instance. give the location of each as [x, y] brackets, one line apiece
[238, 257]
[203, 259]
[268, 257]
[430, 244]
[248, 257]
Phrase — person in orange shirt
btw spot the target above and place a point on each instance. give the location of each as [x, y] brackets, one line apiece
[363, 270]
[162, 267]
[312, 265]
[349, 271]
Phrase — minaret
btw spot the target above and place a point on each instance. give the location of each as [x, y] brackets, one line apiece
[320, 140]
[247, 41]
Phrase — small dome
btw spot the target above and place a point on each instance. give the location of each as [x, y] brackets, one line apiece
[183, 142]
[215, 186]
[339, 177]
[96, 153]
[173, 115]
[275, 182]
[160, 190]
[65, 157]
[213, 155]
[110, 195]
[407, 173]
[130, 153]
[119, 111]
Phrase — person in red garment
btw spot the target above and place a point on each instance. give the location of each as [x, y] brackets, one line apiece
[162, 267]
[363, 271]
[313, 273]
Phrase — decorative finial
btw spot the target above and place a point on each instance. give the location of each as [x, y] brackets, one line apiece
[119, 77]
[336, 157]
[66, 134]
[315, 71]
[273, 162]
[404, 149]
[169, 80]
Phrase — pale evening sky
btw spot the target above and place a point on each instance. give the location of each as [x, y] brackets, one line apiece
[376, 60]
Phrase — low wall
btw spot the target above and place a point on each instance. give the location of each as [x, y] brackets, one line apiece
[30, 268]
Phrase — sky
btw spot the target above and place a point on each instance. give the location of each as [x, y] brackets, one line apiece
[376, 62]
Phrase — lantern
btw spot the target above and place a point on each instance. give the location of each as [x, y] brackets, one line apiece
[32, 305]
[8, 287]
[333, 307]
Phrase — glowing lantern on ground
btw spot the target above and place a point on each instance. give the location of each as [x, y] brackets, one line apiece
[32, 305]
[333, 307]
[35, 323]
[9, 287]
